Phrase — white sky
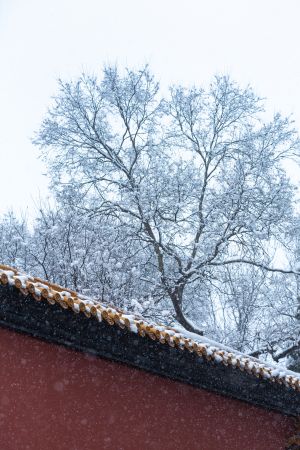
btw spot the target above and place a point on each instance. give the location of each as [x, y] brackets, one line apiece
[255, 41]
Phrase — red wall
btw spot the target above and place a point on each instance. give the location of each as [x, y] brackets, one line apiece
[55, 398]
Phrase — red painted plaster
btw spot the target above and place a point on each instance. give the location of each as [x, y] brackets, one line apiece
[55, 398]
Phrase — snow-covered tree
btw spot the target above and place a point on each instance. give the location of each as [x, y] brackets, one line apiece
[13, 240]
[196, 178]
[88, 254]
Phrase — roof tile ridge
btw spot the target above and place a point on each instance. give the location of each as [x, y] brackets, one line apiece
[67, 298]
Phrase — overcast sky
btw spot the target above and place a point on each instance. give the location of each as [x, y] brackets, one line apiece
[255, 41]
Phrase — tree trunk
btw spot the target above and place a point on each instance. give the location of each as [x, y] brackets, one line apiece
[176, 297]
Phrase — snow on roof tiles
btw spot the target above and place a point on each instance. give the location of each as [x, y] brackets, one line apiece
[181, 339]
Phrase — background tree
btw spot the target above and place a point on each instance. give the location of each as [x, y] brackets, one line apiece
[68, 247]
[14, 236]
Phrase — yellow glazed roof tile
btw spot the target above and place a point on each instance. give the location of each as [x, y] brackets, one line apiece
[183, 340]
